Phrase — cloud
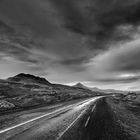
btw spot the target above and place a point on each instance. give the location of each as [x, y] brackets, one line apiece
[101, 25]
[120, 80]
[124, 58]
[47, 18]
[92, 40]
[31, 15]
[72, 15]
[120, 64]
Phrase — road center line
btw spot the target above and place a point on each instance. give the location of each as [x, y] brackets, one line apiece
[71, 125]
[75, 121]
[87, 121]
[93, 108]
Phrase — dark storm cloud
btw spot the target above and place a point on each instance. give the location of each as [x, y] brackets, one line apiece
[103, 22]
[69, 34]
[100, 18]
[97, 20]
[41, 20]
[29, 15]
[73, 17]
[105, 18]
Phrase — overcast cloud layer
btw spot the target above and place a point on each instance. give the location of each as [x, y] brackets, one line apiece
[93, 41]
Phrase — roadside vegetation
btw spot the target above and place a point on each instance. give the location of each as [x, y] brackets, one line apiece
[127, 111]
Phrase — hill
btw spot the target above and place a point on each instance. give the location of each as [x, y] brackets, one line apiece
[95, 89]
[25, 90]
[80, 85]
[28, 78]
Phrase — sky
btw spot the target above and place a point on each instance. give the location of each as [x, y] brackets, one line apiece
[96, 42]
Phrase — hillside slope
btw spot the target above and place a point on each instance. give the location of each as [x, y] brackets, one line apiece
[25, 90]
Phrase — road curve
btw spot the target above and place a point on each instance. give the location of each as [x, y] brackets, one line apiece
[52, 125]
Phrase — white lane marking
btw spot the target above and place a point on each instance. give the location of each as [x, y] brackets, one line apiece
[87, 121]
[37, 118]
[93, 108]
[70, 125]
[91, 100]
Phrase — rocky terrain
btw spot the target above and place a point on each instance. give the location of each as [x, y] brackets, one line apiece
[25, 91]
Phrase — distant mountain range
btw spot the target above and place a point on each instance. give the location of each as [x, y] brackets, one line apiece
[25, 90]
[95, 89]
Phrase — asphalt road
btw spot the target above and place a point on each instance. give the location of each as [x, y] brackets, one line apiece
[67, 122]
[100, 122]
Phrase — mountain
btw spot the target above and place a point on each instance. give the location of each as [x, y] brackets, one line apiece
[25, 91]
[95, 89]
[80, 85]
[28, 78]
